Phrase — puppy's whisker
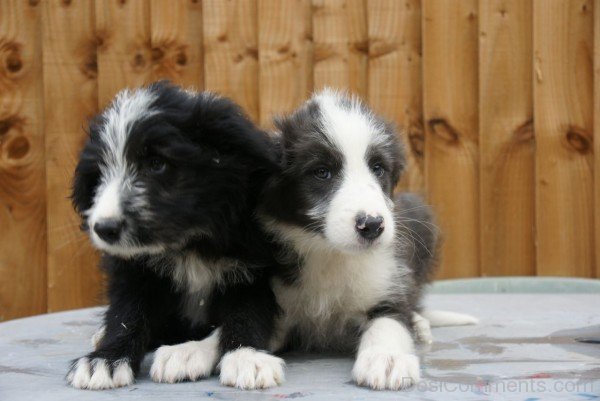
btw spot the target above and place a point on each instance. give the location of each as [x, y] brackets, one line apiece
[410, 209]
[420, 239]
[434, 229]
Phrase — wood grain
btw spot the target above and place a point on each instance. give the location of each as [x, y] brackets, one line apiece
[563, 32]
[506, 140]
[231, 51]
[597, 132]
[499, 101]
[395, 78]
[124, 48]
[176, 37]
[341, 45]
[70, 89]
[450, 56]
[22, 167]
[286, 56]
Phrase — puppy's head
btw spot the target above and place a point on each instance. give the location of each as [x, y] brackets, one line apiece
[340, 164]
[162, 166]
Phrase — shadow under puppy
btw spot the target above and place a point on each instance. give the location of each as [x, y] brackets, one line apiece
[166, 186]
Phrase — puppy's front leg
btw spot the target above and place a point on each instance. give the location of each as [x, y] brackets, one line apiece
[191, 360]
[248, 325]
[117, 356]
[386, 357]
[126, 331]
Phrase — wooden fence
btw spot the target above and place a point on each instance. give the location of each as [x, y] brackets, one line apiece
[496, 98]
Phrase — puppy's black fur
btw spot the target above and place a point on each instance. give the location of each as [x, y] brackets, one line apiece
[188, 168]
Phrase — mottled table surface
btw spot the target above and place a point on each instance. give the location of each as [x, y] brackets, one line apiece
[527, 347]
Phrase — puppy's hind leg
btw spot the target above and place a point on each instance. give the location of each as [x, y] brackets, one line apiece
[422, 328]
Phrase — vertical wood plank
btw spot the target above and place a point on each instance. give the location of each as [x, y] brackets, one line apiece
[176, 36]
[563, 32]
[341, 45]
[22, 167]
[285, 56]
[597, 131]
[231, 51]
[450, 55]
[70, 98]
[124, 49]
[395, 77]
[507, 196]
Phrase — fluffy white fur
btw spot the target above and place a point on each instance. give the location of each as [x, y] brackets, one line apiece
[386, 358]
[336, 289]
[249, 369]
[353, 132]
[187, 361]
[101, 378]
[128, 107]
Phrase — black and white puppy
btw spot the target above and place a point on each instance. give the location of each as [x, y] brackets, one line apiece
[355, 259]
[167, 186]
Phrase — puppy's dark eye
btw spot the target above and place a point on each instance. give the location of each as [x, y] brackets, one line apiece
[322, 173]
[157, 165]
[377, 169]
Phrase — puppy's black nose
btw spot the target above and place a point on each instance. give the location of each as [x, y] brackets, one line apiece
[109, 230]
[369, 227]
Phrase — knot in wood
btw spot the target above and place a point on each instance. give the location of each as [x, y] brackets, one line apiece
[579, 140]
[442, 129]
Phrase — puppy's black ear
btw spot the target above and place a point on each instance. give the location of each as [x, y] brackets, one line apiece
[305, 119]
[87, 175]
[233, 131]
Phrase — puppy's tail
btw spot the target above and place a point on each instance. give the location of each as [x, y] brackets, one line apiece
[440, 318]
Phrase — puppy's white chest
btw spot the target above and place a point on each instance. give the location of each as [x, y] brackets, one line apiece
[333, 291]
[197, 278]
[193, 274]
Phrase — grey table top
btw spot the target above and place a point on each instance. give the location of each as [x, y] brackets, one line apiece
[525, 348]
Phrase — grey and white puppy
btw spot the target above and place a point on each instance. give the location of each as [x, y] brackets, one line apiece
[355, 258]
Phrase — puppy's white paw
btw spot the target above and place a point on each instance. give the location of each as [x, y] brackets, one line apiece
[422, 329]
[381, 370]
[99, 374]
[187, 361]
[249, 369]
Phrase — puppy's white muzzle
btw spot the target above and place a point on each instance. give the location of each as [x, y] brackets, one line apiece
[359, 216]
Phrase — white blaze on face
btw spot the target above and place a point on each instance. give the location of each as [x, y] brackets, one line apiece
[107, 206]
[117, 122]
[353, 132]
